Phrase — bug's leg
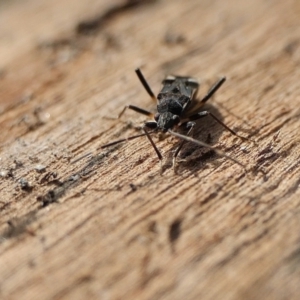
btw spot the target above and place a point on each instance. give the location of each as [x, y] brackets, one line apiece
[145, 84]
[136, 109]
[132, 107]
[152, 124]
[207, 113]
[213, 89]
[219, 152]
[191, 126]
[123, 140]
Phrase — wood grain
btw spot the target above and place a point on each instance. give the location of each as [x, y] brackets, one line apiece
[78, 222]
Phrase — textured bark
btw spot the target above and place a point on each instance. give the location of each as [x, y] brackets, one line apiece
[108, 225]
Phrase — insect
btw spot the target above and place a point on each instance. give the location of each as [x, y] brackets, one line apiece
[176, 106]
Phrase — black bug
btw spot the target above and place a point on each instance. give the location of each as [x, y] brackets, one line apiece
[176, 106]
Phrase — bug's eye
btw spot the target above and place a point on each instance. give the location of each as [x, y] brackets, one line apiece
[176, 119]
[156, 117]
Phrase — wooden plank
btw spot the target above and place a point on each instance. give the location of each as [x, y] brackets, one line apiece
[108, 225]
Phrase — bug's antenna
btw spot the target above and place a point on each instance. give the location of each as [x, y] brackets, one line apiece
[145, 83]
[124, 140]
[113, 143]
[219, 152]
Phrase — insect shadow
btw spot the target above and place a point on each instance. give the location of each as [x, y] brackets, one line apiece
[191, 155]
[178, 108]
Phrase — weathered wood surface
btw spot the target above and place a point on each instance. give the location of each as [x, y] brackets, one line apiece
[109, 226]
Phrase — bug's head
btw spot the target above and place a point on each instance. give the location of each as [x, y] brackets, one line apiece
[166, 121]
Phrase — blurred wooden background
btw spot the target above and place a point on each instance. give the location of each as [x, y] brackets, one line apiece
[108, 225]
